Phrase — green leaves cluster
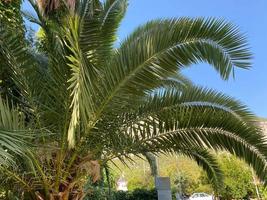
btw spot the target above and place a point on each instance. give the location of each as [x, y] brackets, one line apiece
[10, 14]
[10, 18]
[238, 178]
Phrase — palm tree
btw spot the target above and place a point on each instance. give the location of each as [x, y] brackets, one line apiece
[87, 102]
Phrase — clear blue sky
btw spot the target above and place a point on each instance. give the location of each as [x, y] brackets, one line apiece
[249, 86]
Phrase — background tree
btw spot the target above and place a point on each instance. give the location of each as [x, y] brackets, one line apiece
[238, 178]
[187, 177]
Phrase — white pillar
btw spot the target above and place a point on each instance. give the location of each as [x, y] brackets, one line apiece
[163, 186]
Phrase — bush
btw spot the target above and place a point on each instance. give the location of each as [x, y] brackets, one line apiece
[120, 195]
[138, 194]
[142, 194]
[238, 178]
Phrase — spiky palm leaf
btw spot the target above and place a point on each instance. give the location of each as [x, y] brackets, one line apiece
[13, 134]
[102, 103]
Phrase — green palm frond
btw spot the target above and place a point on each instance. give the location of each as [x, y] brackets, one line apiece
[82, 83]
[114, 11]
[195, 96]
[100, 23]
[208, 162]
[13, 52]
[89, 25]
[196, 117]
[178, 81]
[160, 48]
[211, 33]
[93, 24]
[13, 133]
[14, 178]
[30, 73]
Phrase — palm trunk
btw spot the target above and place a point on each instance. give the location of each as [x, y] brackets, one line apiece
[152, 160]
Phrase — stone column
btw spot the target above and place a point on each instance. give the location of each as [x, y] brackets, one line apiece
[163, 186]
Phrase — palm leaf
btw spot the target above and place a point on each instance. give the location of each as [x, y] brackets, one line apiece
[196, 117]
[208, 162]
[160, 48]
[113, 13]
[13, 133]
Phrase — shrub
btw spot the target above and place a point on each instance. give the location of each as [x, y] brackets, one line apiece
[138, 194]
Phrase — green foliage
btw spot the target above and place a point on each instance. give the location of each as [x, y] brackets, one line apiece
[262, 191]
[13, 134]
[41, 42]
[182, 183]
[187, 177]
[10, 18]
[120, 195]
[141, 194]
[137, 174]
[137, 194]
[185, 174]
[10, 15]
[238, 178]
[103, 193]
[97, 193]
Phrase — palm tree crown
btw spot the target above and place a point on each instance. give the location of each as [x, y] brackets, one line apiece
[87, 102]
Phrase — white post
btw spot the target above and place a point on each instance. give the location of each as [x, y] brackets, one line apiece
[163, 186]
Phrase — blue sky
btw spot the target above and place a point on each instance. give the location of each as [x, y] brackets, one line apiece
[249, 86]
